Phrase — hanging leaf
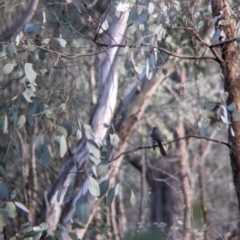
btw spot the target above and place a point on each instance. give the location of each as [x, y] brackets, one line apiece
[62, 42]
[56, 141]
[3, 190]
[39, 144]
[232, 132]
[29, 92]
[164, 71]
[3, 222]
[11, 50]
[94, 159]
[103, 27]
[138, 15]
[44, 226]
[45, 156]
[117, 189]
[93, 148]
[21, 121]
[62, 131]
[209, 105]
[8, 68]
[79, 134]
[13, 112]
[59, 193]
[231, 107]
[225, 120]
[102, 170]
[123, 7]
[139, 69]
[104, 186]
[44, 17]
[5, 125]
[63, 146]
[21, 206]
[94, 170]
[30, 73]
[2, 171]
[110, 196]
[93, 187]
[82, 209]
[17, 39]
[69, 193]
[168, 39]
[37, 106]
[235, 115]
[151, 8]
[42, 54]
[68, 127]
[88, 131]
[205, 126]
[11, 209]
[73, 235]
[114, 140]
[13, 194]
[132, 198]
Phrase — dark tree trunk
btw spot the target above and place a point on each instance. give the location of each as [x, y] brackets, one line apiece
[230, 65]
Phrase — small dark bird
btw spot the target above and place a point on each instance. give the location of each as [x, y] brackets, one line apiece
[156, 138]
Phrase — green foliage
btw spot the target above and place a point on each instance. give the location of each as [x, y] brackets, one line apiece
[83, 209]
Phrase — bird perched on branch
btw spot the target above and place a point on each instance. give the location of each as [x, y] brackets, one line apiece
[156, 138]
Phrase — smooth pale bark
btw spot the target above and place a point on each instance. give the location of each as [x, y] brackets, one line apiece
[103, 114]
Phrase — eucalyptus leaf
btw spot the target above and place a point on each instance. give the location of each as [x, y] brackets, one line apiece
[5, 125]
[93, 187]
[11, 209]
[93, 148]
[30, 73]
[13, 111]
[82, 209]
[45, 156]
[76, 225]
[59, 193]
[235, 115]
[62, 131]
[8, 68]
[94, 159]
[104, 186]
[73, 235]
[68, 127]
[63, 146]
[62, 42]
[69, 193]
[132, 198]
[209, 105]
[21, 121]
[3, 190]
[11, 50]
[110, 196]
[232, 107]
[2, 221]
[39, 144]
[88, 131]
[2, 171]
[21, 206]
[114, 140]
[164, 71]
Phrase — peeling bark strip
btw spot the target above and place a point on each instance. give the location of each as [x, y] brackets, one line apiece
[223, 18]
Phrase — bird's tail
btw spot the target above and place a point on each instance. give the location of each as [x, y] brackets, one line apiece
[162, 150]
